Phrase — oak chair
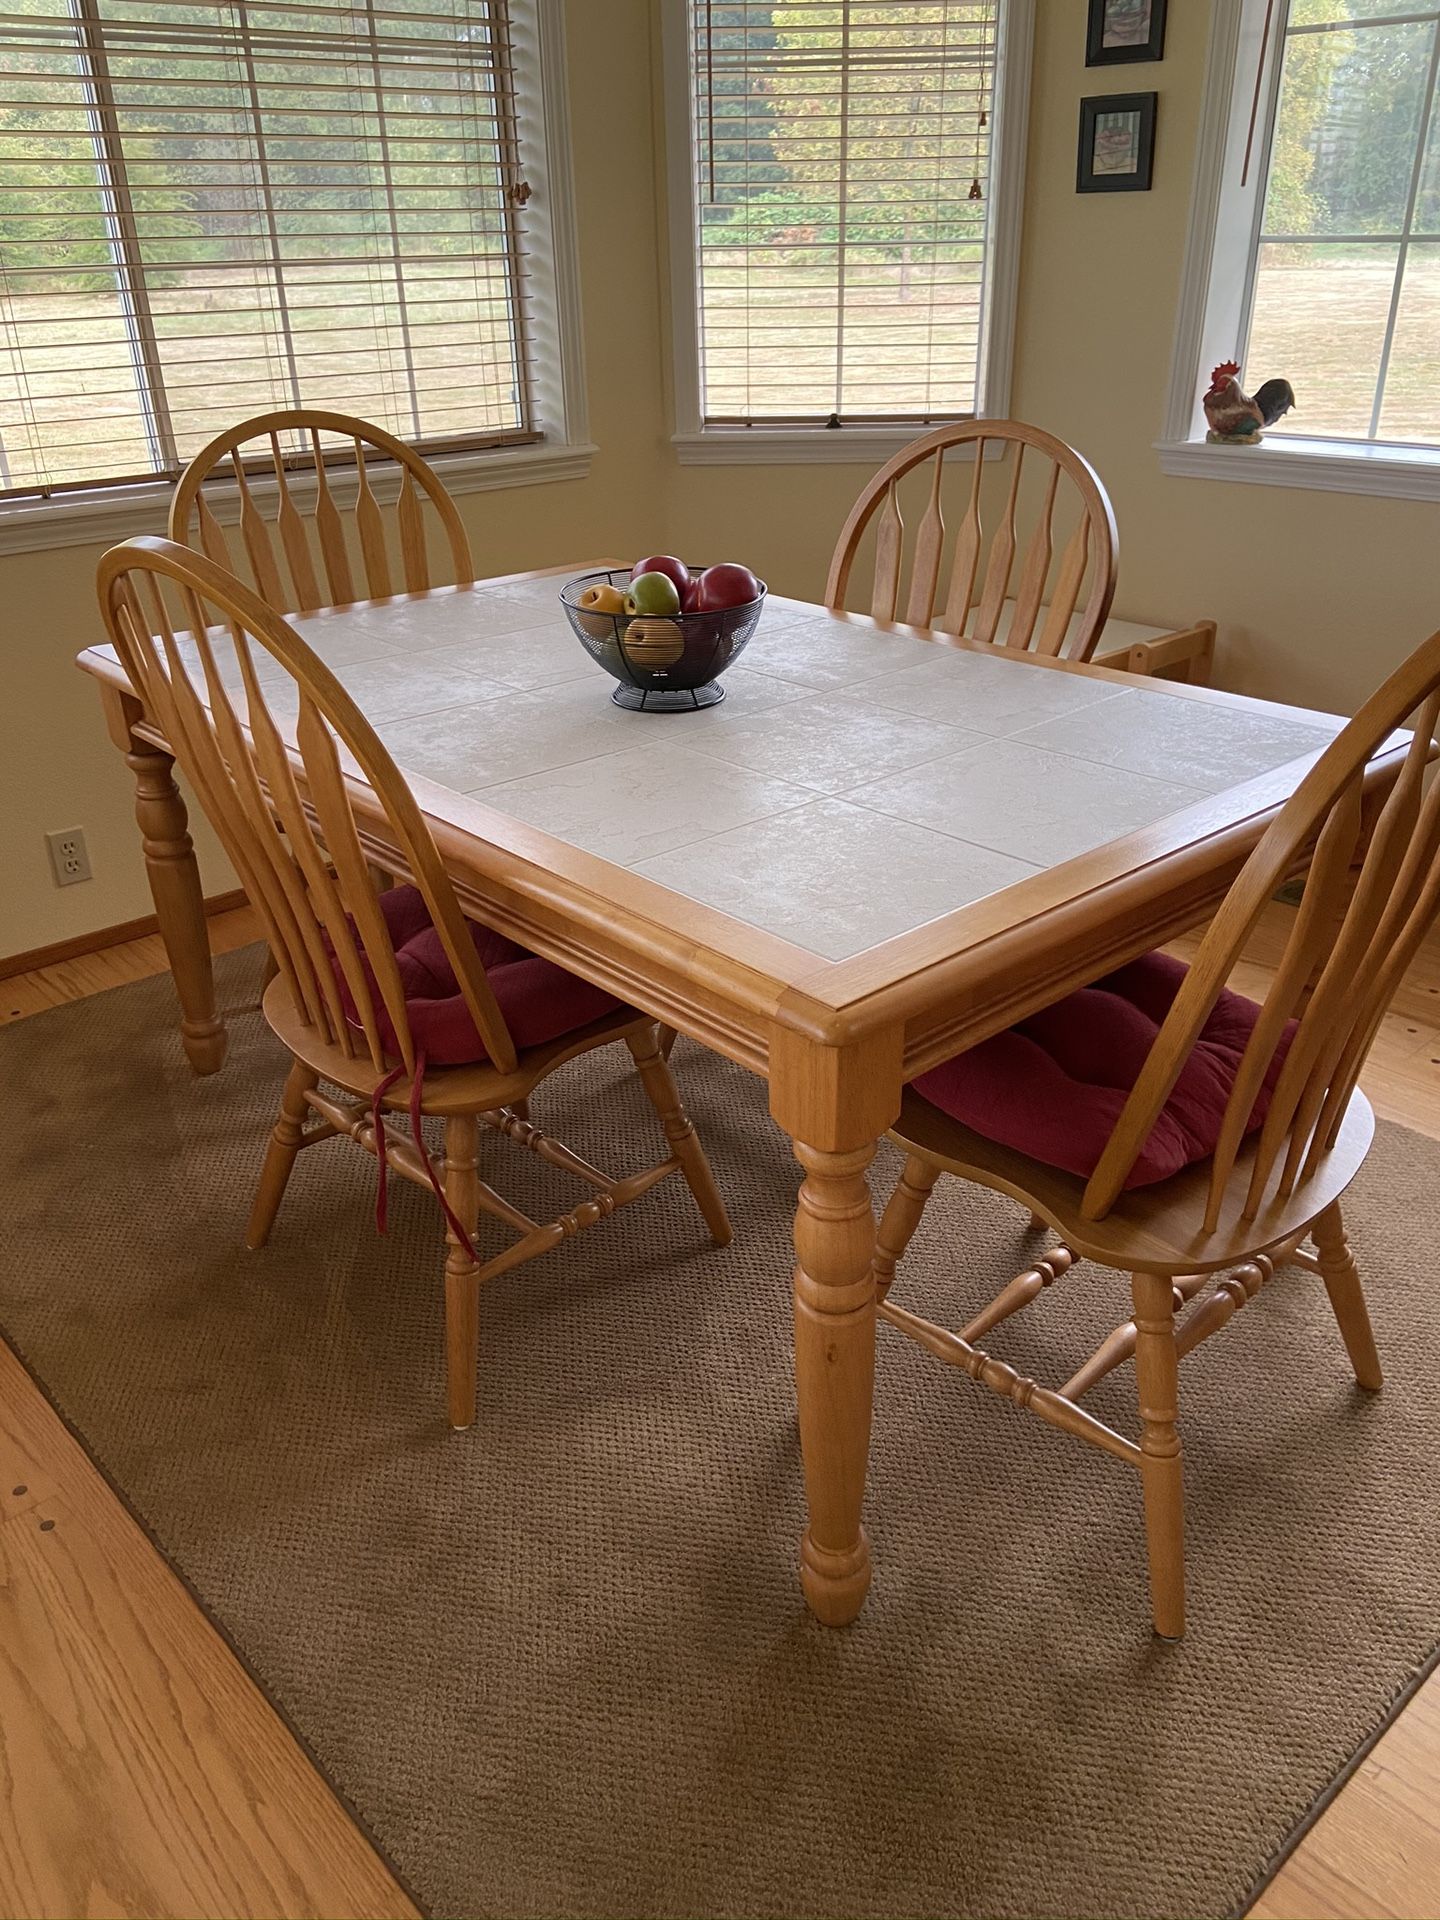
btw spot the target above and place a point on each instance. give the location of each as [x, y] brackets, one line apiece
[1039, 608]
[209, 657]
[280, 461]
[978, 599]
[1369, 898]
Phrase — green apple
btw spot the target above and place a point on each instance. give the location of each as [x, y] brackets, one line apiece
[652, 593]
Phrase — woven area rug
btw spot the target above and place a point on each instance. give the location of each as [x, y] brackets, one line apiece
[560, 1665]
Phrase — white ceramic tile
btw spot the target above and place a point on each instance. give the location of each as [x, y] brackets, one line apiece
[833, 878]
[478, 744]
[1022, 800]
[782, 612]
[414, 626]
[986, 695]
[656, 796]
[267, 668]
[746, 695]
[535, 657]
[832, 742]
[826, 654]
[544, 593]
[391, 689]
[1189, 740]
[341, 640]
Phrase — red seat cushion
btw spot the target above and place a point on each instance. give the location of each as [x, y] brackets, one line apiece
[1053, 1086]
[539, 1000]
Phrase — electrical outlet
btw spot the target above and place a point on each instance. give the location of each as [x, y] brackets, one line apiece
[68, 856]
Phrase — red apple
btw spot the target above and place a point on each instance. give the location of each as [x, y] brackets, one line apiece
[690, 599]
[667, 564]
[728, 585]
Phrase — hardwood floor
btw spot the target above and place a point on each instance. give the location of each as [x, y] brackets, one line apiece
[142, 1772]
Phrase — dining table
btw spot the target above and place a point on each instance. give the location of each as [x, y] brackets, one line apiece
[883, 846]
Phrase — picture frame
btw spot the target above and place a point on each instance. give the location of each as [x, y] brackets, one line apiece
[1121, 31]
[1117, 143]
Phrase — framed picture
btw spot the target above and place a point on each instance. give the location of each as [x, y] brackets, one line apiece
[1117, 143]
[1122, 30]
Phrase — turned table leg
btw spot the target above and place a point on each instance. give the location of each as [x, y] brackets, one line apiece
[834, 1103]
[179, 904]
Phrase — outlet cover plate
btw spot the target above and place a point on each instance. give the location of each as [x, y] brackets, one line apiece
[69, 857]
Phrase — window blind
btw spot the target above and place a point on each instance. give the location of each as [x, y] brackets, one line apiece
[842, 170]
[212, 208]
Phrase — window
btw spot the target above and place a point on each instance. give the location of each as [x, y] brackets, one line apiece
[1345, 299]
[838, 205]
[212, 208]
[1315, 255]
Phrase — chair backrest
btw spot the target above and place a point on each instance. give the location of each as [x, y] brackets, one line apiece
[202, 651]
[279, 461]
[1371, 895]
[1065, 492]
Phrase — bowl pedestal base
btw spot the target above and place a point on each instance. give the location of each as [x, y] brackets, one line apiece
[669, 700]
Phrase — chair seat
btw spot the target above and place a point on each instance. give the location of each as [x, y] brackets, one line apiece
[1115, 636]
[540, 1001]
[1054, 1085]
[1155, 1229]
[475, 1088]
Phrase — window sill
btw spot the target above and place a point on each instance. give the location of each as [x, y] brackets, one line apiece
[794, 446]
[1395, 473]
[105, 515]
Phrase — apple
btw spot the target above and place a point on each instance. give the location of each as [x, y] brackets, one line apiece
[690, 599]
[599, 606]
[653, 643]
[667, 564]
[727, 585]
[652, 593]
[602, 599]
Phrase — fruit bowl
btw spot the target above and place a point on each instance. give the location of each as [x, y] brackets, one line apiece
[665, 663]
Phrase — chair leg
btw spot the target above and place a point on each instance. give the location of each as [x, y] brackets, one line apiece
[901, 1218]
[668, 1037]
[664, 1096]
[462, 1276]
[1157, 1379]
[1347, 1297]
[280, 1156]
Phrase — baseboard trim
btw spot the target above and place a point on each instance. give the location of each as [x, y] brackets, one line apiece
[82, 943]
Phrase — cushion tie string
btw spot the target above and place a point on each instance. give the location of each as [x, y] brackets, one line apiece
[416, 1086]
[382, 1087]
[417, 1092]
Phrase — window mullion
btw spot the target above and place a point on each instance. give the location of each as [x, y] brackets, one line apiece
[124, 235]
[267, 203]
[515, 196]
[388, 179]
[1417, 174]
[842, 209]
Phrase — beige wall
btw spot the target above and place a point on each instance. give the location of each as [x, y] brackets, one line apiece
[1317, 594]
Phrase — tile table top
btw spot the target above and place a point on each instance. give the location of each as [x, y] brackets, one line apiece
[853, 785]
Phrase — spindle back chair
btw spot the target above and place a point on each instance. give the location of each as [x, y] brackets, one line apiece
[305, 544]
[977, 599]
[214, 666]
[1370, 896]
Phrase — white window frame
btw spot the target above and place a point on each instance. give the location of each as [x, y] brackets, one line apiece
[106, 514]
[697, 444]
[1215, 290]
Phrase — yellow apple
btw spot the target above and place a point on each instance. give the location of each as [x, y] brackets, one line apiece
[654, 643]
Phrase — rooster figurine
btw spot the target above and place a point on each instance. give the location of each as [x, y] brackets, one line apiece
[1234, 419]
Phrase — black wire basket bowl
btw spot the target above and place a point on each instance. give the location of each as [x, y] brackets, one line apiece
[665, 663]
